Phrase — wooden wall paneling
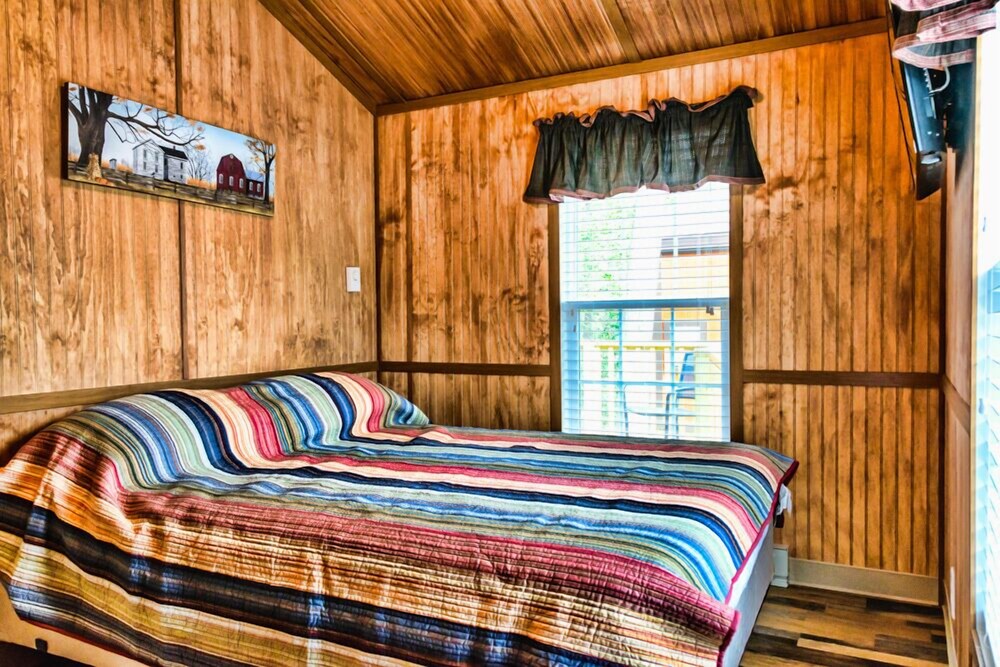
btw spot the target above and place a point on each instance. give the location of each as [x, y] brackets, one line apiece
[881, 110]
[890, 477]
[847, 150]
[866, 494]
[269, 293]
[393, 232]
[873, 476]
[838, 273]
[828, 261]
[788, 201]
[17, 428]
[398, 382]
[958, 540]
[10, 362]
[89, 276]
[958, 281]
[483, 401]
[459, 256]
[93, 305]
[956, 383]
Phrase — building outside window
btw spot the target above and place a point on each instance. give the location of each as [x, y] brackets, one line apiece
[644, 287]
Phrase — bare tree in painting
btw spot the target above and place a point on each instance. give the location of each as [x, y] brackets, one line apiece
[201, 164]
[133, 123]
[262, 156]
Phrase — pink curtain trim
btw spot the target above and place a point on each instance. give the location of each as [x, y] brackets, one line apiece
[947, 26]
[558, 196]
[921, 5]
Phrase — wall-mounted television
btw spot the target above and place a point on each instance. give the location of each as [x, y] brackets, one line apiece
[935, 107]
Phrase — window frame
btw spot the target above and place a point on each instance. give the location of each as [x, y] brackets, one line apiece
[984, 311]
[735, 340]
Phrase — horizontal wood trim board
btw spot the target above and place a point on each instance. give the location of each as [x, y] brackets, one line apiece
[791, 41]
[844, 379]
[445, 368]
[885, 584]
[63, 399]
[958, 405]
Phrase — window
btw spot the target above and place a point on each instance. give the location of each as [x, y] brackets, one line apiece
[241, 184]
[230, 181]
[644, 287]
[987, 359]
[220, 179]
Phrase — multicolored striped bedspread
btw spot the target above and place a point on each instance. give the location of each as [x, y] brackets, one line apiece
[319, 519]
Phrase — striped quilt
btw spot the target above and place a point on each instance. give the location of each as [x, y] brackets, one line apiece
[319, 519]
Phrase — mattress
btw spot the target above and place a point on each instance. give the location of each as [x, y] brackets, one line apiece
[748, 595]
[321, 519]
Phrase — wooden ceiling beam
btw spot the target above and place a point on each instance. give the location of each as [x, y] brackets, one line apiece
[791, 41]
[278, 10]
[625, 39]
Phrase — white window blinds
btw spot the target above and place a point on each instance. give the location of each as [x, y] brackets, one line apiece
[987, 408]
[644, 287]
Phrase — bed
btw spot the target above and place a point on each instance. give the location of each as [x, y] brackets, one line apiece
[321, 519]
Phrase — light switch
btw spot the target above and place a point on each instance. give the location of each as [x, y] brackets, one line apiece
[354, 279]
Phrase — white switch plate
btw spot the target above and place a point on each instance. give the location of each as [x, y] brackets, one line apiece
[354, 279]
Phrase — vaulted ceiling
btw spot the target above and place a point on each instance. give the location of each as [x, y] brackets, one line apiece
[391, 51]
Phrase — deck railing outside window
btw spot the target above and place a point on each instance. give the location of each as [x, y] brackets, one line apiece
[645, 314]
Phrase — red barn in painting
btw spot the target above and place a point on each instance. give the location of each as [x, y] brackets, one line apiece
[230, 175]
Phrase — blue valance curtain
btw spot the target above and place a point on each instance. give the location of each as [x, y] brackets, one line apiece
[671, 145]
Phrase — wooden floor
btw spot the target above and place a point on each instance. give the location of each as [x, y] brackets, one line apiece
[802, 626]
[797, 626]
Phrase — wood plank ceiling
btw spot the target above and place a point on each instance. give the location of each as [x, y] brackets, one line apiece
[402, 50]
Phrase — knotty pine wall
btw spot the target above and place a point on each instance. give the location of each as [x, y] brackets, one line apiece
[100, 288]
[956, 385]
[841, 284]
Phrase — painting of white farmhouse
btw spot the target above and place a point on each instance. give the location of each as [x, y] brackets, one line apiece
[121, 143]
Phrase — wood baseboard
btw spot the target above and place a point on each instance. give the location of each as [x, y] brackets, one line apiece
[899, 586]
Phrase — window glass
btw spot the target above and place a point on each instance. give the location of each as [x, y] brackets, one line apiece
[644, 287]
